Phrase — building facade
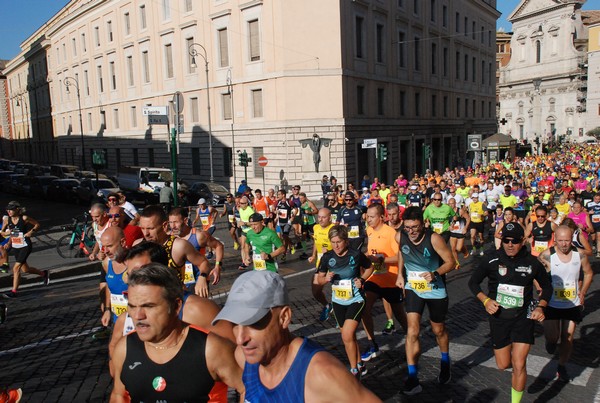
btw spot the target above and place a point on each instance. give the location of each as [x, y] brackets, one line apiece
[300, 87]
[593, 100]
[544, 86]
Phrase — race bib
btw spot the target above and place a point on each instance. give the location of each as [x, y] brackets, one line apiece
[118, 304]
[263, 214]
[259, 262]
[204, 220]
[456, 226]
[353, 233]
[17, 239]
[283, 214]
[475, 216]
[540, 246]
[188, 276]
[415, 204]
[566, 291]
[231, 218]
[510, 296]
[334, 218]
[438, 227]
[596, 218]
[418, 283]
[343, 290]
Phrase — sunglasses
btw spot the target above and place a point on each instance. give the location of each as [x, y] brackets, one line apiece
[114, 215]
[112, 199]
[437, 199]
[348, 199]
[511, 241]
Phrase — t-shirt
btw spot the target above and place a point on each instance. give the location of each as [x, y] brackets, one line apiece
[245, 217]
[265, 241]
[383, 241]
[439, 217]
[346, 269]
[321, 240]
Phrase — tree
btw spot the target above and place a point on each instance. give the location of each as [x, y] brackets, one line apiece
[594, 133]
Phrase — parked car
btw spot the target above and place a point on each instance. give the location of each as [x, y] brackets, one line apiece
[90, 190]
[4, 176]
[39, 186]
[39, 170]
[23, 168]
[63, 190]
[23, 186]
[11, 185]
[63, 171]
[4, 164]
[12, 165]
[213, 193]
[89, 174]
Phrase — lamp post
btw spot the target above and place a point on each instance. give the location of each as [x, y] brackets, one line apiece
[72, 81]
[537, 114]
[25, 117]
[193, 51]
[230, 92]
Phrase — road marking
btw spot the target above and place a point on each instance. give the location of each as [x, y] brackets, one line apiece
[52, 281]
[49, 341]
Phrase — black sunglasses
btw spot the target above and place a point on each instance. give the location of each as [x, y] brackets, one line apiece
[511, 240]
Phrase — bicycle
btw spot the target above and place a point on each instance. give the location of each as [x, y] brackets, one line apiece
[80, 242]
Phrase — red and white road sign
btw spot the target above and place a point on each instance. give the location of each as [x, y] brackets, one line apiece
[263, 161]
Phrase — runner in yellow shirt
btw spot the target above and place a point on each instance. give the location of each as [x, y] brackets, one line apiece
[321, 244]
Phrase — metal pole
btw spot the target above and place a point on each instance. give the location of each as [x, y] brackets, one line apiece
[230, 89]
[74, 82]
[174, 163]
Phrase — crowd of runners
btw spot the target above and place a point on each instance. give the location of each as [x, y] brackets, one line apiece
[531, 226]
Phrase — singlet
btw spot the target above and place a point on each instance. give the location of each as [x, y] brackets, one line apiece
[98, 233]
[352, 217]
[245, 217]
[230, 210]
[580, 219]
[184, 378]
[346, 269]
[439, 217]
[322, 242]
[458, 223]
[335, 213]
[594, 211]
[18, 231]
[291, 388]
[180, 269]
[206, 218]
[265, 241]
[476, 212]
[261, 206]
[419, 259]
[191, 270]
[414, 199]
[508, 201]
[307, 219]
[116, 286]
[565, 280]
[542, 237]
[284, 212]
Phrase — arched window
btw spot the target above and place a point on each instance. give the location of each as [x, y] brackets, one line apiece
[538, 52]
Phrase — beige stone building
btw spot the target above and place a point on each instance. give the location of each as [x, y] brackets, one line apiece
[593, 100]
[302, 82]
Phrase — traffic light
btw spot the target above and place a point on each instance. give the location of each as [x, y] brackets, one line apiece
[427, 151]
[244, 159]
[383, 152]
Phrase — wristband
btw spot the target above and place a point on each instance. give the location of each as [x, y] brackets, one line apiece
[107, 309]
[269, 256]
[205, 275]
[485, 301]
[218, 263]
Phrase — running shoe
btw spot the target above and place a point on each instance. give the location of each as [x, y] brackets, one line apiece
[465, 253]
[362, 369]
[236, 245]
[243, 266]
[46, 277]
[210, 255]
[445, 375]
[597, 255]
[4, 268]
[102, 334]
[412, 386]
[356, 373]
[562, 374]
[389, 327]
[293, 250]
[11, 395]
[10, 294]
[474, 251]
[303, 256]
[370, 353]
[3, 310]
[481, 251]
[283, 258]
[325, 313]
[457, 265]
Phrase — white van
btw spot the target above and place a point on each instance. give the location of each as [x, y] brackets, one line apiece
[145, 179]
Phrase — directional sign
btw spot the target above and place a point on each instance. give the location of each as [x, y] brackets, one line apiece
[158, 120]
[263, 161]
[155, 110]
[369, 143]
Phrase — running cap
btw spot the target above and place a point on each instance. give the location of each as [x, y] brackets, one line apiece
[252, 296]
[413, 187]
[365, 189]
[256, 217]
[13, 205]
[475, 195]
[513, 230]
[202, 200]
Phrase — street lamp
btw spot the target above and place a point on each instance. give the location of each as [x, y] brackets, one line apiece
[26, 118]
[537, 114]
[193, 51]
[230, 92]
[72, 81]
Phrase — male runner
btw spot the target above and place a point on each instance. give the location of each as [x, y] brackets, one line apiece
[321, 245]
[262, 244]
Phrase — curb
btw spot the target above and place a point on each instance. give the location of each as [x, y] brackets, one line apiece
[28, 281]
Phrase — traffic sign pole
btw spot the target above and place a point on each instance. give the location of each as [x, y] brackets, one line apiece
[263, 162]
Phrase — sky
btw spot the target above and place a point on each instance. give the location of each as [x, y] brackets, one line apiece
[21, 18]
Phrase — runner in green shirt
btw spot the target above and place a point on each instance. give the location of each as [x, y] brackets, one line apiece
[439, 216]
[265, 243]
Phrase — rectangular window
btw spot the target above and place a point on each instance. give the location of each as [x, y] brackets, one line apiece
[196, 161]
[89, 120]
[482, 35]
[257, 152]
[116, 118]
[416, 6]
[169, 60]
[136, 158]
[194, 110]
[474, 108]
[97, 36]
[166, 10]
[444, 16]
[521, 132]
[253, 33]
[103, 119]
[113, 76]
[457, 65]
[417, 104]
[100, 80]
[489, 109]
[466, 67]
[127, 21]
[434, 106]
[189, 42]
[445, 62]
[360, 100]
[458, 107]
[143, 23]
[83, 44]
[417, 53]
[257, 104]
[74, 46]
[145, 67]
[130, 75]
[380, 101]
[379, 43]
[358, 32]
[457, 22]
[223, 47]
[474, 69]
[466, 108]
[432, 10]
[401, 49]
[445, 106]
[133, 116]
[466, 26]
[227, 162]
[402, 103]
[187, 6]
[151, 157]
[433, 58]
[473, 29]
[483, 72]
[64, 52]
[226, 106]
[482, 109]
[109, 31]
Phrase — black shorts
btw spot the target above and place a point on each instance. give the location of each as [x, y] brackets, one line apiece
[457, 235]
[438, 308]
[393, 295]
[239, 232]
[345, 312]
[308, 229]
[211, 229]
[21, 254]
[521, 213]
[573, 314]
[445, 236]
[596, 227]
[477, 226]
[297, 220]
[511, 330]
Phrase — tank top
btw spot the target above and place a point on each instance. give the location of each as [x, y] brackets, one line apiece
[565, 280]
[291, 388]
[184, 378]
[542, 237]
[419, 259]
[261, 206]
[180, 269]
[206, 218]
[116, 286]
[17, 233]
[230, 211]
[580, 219]
[307, 219]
